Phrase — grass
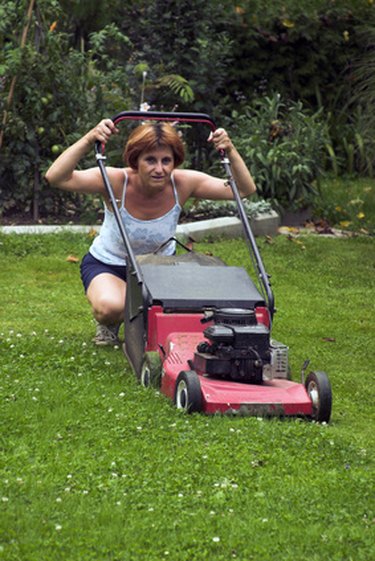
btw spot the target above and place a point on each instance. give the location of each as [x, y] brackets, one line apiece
[347, 203]
[94, 467]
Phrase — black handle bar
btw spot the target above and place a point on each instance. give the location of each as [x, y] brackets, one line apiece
[164, 116]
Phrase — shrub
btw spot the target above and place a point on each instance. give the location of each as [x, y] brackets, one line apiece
[284, 147]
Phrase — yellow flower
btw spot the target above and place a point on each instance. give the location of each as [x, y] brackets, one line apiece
[361, 215]
[346, 36]
[338, 208]
[345, 223]
[288, 23]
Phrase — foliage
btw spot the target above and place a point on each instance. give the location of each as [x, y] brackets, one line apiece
[283, 145]
[54, 103]
[45, 112]
[182, 32]
[309, 52]
[202, 209]
[93, 466]
[359, 137]
[88, 60]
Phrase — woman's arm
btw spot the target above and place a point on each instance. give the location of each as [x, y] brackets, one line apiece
[63, 173]
[208, 187]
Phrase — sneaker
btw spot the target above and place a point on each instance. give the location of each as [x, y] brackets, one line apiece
[106, 335]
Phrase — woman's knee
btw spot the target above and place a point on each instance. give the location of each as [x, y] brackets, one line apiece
[107, 299]
[108, 309]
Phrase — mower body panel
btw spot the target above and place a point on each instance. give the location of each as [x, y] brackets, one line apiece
[176, 336]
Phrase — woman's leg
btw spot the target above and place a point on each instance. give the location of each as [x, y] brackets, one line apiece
[106, 294]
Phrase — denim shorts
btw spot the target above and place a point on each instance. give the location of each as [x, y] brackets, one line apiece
[91, 267]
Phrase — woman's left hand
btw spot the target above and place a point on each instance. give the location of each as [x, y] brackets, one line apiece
[221, 140]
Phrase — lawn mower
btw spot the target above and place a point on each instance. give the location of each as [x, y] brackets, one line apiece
[199, 330]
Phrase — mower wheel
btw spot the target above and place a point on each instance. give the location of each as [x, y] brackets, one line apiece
[319, 390]
[151, 370]
[188, 395]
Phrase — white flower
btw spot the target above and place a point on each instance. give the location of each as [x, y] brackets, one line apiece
[144, 106]
[216, 539]
[58, 527]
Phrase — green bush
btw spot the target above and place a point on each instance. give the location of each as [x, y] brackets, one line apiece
[284, 146]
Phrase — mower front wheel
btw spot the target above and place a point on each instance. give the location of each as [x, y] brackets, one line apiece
[319, 390]
[151, 370]
[188, 394]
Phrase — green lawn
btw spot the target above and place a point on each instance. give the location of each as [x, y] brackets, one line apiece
[95, 467]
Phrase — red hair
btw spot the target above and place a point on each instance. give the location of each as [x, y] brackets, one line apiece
[150, 136]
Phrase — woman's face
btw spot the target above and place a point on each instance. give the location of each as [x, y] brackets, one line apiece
[155, 166]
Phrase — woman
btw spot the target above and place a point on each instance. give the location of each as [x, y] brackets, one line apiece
[150, 193]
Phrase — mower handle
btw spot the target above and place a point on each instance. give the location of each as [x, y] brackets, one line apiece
[179, 117]
[164, 116]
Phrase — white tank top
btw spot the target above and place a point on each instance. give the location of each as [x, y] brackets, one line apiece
[145, 236]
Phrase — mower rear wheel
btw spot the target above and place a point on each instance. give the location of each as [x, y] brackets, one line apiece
[319, 390]
[151, 370]
[188, 395]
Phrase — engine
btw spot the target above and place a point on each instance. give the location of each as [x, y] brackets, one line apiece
[237, 346]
